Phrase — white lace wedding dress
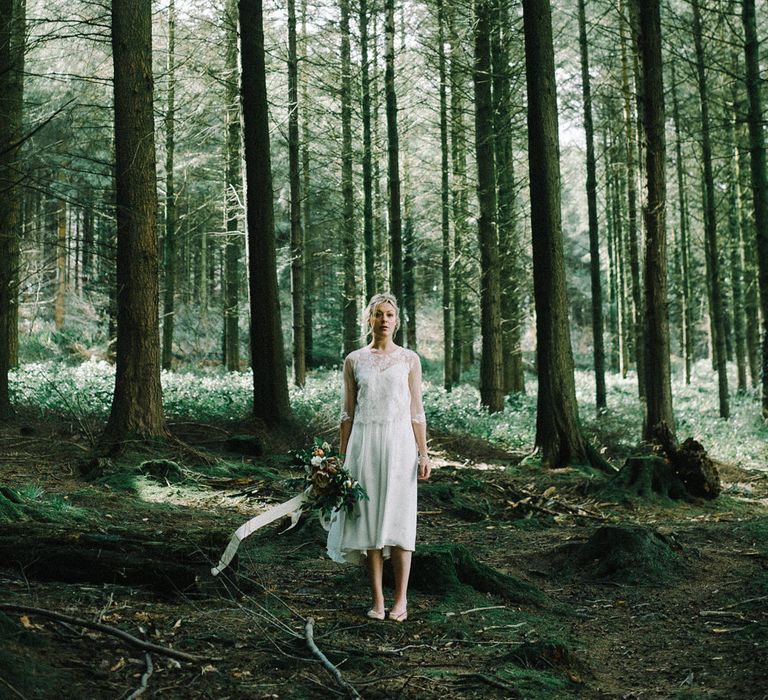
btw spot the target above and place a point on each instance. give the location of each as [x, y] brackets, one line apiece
[382, 398]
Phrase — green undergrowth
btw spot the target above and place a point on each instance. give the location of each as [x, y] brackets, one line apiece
[33, 503]
[83, 392]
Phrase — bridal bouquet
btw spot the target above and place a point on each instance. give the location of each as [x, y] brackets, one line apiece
[331, 487]
[328, 488]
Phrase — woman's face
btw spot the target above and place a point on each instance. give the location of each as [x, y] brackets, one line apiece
[383, 320]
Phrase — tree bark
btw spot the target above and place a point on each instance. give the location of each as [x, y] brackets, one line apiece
[459, 206]
[7, 231]
[509, 244]
[759, 177]
[631, 241]
[169, 243]
[297, 232]
[137, 406]
[712, 251]
[309, 270]
[270, 386]
[594, 234]
[558, 434]
[658, 390]
[350, 311]
[491, 376]
[683, 256]
[233, 193]
[393, 162]
[369, 245]
[445, 204]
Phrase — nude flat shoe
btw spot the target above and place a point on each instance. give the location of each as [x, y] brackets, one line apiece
[376, 615]
[399, 617]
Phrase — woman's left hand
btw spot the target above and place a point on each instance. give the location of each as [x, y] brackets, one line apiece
[425, 467]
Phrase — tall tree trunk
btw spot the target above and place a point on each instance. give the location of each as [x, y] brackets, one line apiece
[16, 194]
[509, 245]
[686, 305]
[270, 386]
[233, 189]
[365, 84]
[169, 247]
[658, 390]
[734, 235]
[759, 176]
[631, 242]
[350, 313]
[59, 304]
[380, 235]
[393, 161]
[712, 251]
[594, 235]
[6, 206]
[613, 277]
[297, 232]
[137, 406]
[491, 376]
[309, 274]
[445, 203]
[558, 434]
[458, 199]
[409, 268]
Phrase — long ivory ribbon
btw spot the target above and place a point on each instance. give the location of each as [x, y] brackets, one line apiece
[292, 508]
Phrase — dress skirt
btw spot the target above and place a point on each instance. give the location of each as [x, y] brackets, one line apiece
[383, 457]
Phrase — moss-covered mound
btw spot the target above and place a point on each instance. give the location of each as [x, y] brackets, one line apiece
[625, 554]
[442, 569]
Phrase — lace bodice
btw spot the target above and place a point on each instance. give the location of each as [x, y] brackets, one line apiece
[382, 387]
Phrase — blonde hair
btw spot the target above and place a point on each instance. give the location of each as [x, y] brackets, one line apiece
[376, 301]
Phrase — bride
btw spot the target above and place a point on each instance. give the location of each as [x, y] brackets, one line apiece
[384, 446]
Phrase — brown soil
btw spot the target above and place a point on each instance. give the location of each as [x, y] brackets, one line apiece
[697, 631]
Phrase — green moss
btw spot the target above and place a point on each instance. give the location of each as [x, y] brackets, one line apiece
[625, 554]
[534, 684]
[442, 569]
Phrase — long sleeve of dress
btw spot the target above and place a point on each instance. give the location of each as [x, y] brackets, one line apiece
[414, 386]
[349, 391]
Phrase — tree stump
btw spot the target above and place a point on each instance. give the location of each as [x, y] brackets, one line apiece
[625, 554]
[648, 476]
[444, 569]
[691, 462]
[679, 471]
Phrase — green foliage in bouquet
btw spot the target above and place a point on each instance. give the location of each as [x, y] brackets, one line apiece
[332, 487]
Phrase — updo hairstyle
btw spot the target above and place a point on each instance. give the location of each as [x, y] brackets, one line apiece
[374, 303]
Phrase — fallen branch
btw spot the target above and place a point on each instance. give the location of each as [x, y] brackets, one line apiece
[106, 629]
[144, 678]
[12, 689]
[309, 636]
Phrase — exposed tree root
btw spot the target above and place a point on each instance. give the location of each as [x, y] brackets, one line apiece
[106, 629]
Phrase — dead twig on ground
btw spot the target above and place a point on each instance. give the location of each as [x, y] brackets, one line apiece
[144, 679]
[106, 629]
[309, 636]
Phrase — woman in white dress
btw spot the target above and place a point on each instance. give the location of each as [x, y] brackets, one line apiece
[384, 446]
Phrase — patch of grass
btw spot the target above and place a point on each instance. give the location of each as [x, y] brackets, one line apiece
[30, 502]
[756, 530]
[533, 684]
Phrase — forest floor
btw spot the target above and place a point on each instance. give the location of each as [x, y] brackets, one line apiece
[691, 624]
